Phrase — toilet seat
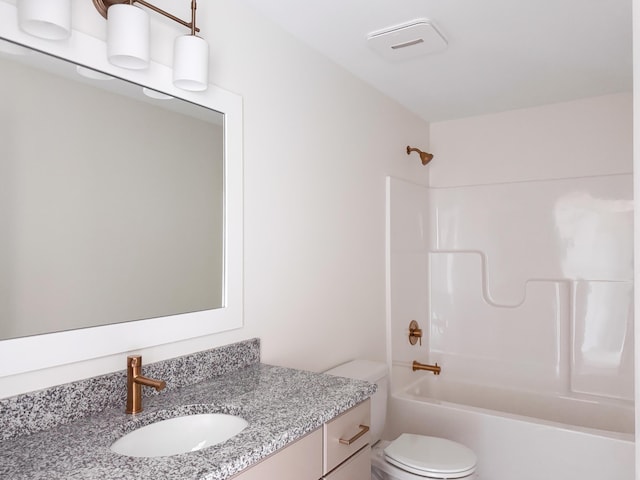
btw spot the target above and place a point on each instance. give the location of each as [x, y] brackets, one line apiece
[430, 457]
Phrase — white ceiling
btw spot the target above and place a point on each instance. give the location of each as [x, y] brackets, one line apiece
[501, 55]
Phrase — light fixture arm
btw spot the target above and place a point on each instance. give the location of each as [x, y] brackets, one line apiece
[103, 5]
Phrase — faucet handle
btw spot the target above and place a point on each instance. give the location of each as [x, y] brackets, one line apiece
[415, 333]
[134, 361]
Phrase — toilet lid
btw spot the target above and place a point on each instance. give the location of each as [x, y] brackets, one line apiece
[433, 456]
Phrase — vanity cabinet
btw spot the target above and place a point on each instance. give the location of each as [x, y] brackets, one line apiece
[298, 461]
[344, 437]
[320, 454]
[358, 467]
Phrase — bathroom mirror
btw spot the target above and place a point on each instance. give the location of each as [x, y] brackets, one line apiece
[104, 225]
[122, 208]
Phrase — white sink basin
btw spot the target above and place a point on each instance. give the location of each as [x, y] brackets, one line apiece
[179, 435]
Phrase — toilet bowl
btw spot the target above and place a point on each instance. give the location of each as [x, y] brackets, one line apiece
[410, 456]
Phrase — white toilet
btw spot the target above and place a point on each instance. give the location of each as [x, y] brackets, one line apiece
[408, 457]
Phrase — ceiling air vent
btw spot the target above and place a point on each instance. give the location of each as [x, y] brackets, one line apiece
[409, 40]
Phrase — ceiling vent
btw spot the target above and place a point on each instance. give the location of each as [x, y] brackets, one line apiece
[409, 40]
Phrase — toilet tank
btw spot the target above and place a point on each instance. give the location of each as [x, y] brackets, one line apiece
[373, 372]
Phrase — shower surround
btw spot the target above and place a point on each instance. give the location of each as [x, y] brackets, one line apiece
[525, 285]
[517, 260]
[531, 284]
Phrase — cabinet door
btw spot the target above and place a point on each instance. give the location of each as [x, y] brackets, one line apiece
[300, 461]
[357, 467]
[346, 435]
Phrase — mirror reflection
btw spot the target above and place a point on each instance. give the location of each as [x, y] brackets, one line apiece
[111, 200]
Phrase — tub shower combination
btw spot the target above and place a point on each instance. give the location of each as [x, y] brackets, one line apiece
[523, 295]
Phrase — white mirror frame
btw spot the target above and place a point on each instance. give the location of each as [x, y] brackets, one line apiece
[27, 354]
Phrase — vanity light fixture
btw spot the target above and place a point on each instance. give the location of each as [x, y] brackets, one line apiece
[48, 19]
[92, 74]
[13, 48]
[128, 41]
[155, 94]
[128, 36]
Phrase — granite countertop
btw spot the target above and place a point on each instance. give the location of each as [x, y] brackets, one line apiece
[280, 404]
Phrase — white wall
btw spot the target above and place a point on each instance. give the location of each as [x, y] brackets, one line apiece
[565, 140]
[318, 144]
[636, 187]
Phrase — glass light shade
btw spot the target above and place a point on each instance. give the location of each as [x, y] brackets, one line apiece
[48, 19]
[191, 63]
[155, 94]
[14, 48]
[128, 36]
[92, 74]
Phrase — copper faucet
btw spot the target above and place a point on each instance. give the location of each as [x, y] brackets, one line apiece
[134, 384]
[430, 368]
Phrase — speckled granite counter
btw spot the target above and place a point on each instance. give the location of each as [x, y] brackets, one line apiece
[280, 404]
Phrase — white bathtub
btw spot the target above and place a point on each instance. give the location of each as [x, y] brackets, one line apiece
[521, 436]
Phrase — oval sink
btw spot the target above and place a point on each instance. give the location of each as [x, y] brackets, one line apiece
[179, 435]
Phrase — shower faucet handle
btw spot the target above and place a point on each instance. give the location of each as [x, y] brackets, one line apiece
[415, 333]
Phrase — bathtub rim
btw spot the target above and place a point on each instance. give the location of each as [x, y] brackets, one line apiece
[404, 394]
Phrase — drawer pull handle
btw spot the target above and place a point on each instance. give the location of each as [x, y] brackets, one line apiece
[363, 429]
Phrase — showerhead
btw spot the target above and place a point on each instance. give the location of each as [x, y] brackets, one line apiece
[424, 156]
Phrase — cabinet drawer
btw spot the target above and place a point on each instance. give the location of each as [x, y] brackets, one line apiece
[357, 467]
[349, 428]
[299, 461]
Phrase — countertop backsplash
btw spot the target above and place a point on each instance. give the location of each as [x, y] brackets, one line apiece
[44, 409]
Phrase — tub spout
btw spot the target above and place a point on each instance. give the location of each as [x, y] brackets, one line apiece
[430, 368]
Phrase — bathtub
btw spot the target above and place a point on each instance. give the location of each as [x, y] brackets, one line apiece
[518, 435]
